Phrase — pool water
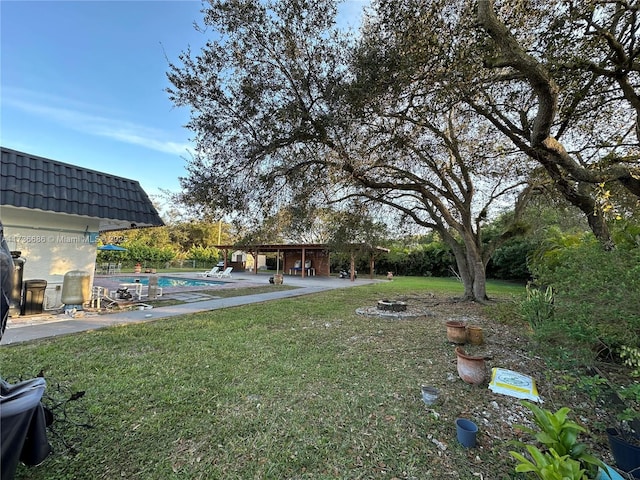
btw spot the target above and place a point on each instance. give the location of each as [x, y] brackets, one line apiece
[170, 281]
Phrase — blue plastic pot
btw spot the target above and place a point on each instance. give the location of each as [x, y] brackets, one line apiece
[626, 455]
[613, 475]
[466, 432]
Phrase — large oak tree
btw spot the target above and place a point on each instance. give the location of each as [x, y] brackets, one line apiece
[560, 79]
[562, 82]
[286, 109]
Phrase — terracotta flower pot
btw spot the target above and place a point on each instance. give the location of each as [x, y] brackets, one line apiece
[470, 369]
[474, 335]
[456, 332]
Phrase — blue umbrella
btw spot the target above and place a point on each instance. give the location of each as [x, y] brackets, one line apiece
[112, 248]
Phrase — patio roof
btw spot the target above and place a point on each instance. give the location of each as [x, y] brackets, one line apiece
[281, 247]
[275, 247]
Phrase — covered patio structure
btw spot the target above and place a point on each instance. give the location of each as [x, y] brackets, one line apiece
[304, 259]
[293, 259]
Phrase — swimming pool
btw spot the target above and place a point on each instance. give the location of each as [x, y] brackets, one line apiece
[169, 281]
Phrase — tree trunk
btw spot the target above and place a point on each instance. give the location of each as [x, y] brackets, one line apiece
[463, 268]
[352, 273]
[480, 282]
[467, 281]
[471, 270]
[600, 229]
[584, 201]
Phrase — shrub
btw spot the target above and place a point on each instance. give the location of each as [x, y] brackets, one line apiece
[596, 294]
[510, 261]
[433, 259]
[631, 356]
[203, 255]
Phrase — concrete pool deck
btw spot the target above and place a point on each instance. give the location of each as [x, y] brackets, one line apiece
[23, 329]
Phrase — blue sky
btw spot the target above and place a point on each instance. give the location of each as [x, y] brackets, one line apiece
[83, 82]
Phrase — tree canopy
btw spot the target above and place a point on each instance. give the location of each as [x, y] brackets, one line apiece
[446, 112]
[561, 82]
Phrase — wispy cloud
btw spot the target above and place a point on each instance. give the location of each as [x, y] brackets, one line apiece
[77, 116]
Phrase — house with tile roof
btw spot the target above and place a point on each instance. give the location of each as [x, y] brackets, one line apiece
[53, 212]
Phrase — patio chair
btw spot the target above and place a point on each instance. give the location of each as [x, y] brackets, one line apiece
[143, 291]
[297, 267]
[309, 270]
[225, 274]
[100, 298]
[210, 273]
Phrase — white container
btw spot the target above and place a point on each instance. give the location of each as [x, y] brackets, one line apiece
[429, 394]
[76, 288]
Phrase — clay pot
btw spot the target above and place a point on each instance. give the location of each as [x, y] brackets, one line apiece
[456, 332]
[474, 335]
[470, 369]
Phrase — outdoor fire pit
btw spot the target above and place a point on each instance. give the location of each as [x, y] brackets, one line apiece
[392, 306]
[393, 309]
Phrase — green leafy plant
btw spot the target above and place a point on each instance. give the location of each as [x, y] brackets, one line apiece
[631, 392]
[592, 385]
[549, 465]
[537, 308]
[562, 451]
[631, 356]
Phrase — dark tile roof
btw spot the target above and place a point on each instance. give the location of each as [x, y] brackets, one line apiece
[40, 183]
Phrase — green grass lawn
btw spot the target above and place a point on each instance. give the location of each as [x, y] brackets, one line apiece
[295, 388]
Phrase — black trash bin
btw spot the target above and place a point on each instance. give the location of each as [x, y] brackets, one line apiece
[15, 298]
[33, 297]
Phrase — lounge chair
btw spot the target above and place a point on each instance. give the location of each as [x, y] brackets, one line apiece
[210, 273]
[225, 274]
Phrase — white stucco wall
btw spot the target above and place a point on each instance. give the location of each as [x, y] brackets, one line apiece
[52, 244]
